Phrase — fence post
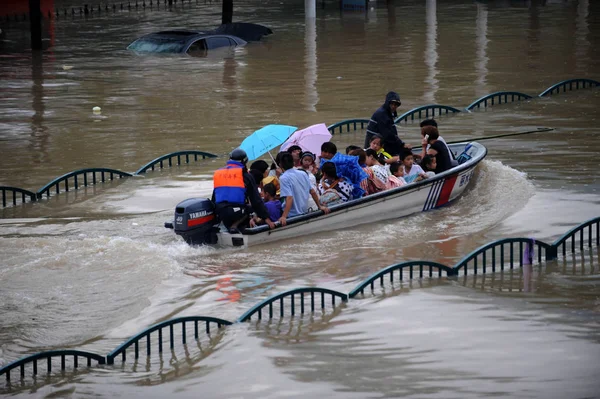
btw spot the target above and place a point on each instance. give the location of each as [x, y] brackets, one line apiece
[552, 253]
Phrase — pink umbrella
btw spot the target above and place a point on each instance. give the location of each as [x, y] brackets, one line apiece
[309, 139]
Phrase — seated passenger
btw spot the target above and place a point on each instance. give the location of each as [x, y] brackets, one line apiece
[379, 171]
[438, 149]
[384, 157]
[424, 132]
[295, 190]
[233, 186]
[351, 148]
[346, 166]
[412, 171]
[428, 164]
[332, 188]
[397, 177]
[273, 205]
[307, 164]
[370, 184]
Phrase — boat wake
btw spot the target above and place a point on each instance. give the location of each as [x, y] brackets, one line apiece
[499, 191]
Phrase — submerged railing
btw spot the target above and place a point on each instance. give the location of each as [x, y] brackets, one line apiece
[570, 84]
[500, 255]
[427, 111]
[83, 178]
[497, 98]
[501, 97]
[121, 350]
[15, 194]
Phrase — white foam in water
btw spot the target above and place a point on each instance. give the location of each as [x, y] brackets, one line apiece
[497, 192]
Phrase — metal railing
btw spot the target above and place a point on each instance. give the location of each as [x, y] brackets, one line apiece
[160, 161]
[24, 194]
[591, 226]
[496, 254]
[422, 265]
[81, 178]
[496, 98]
[570, 84]
[292, 303]
[33, 359]
[347, 123]
[427, 111]
[91, 176]
[505, 254]
[135, 340]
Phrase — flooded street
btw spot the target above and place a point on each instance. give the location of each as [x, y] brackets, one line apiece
[90, 268]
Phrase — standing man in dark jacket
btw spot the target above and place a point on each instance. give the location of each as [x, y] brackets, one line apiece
[382, 125]
[233, 186]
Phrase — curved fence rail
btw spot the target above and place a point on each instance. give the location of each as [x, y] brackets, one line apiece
[423, 268]
[584, 232]
[427, 111]
[569, 85]
[92, 176]
[498, 98]
[15, 194]
[33, 360]
[81, 178]
[508, 252]
[496, 256]
[354, 123]
[160, 161]
[291, 294]
[135, 340]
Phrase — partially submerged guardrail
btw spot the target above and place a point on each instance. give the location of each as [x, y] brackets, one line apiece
[83, 178]
[504, 254]
[497, 98]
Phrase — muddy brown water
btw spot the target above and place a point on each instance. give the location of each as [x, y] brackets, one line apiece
[90, 268]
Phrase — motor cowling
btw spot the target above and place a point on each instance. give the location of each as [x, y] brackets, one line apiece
[195, 220]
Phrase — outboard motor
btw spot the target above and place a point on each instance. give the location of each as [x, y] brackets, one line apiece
[195, 220]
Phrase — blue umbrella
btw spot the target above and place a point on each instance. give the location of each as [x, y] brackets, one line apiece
[266, 139]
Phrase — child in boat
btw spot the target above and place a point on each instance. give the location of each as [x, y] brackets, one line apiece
[333, 189]
[384, 157]
[351, 148]
[307, 164]
[428, 164]
[412, 171]
[380, 172]
[397, 177]
[271, 203]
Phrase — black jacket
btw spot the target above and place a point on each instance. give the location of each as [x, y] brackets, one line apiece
[382, 124]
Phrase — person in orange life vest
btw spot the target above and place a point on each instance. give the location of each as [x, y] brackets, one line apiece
[233, 185]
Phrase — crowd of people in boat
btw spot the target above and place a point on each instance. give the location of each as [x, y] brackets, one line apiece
[299, 182]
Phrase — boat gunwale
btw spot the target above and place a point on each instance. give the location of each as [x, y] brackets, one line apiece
[471, 163]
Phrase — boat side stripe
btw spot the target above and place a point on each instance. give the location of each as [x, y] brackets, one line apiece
[437, 194]
[428, 196]
[433, 194]
[438, 189]
[446, 190]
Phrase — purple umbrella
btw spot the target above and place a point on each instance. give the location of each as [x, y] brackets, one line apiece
[309, 139]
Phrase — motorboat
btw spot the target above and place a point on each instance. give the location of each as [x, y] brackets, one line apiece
[196, 222]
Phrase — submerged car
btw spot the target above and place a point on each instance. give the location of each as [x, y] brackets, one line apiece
[199, 42]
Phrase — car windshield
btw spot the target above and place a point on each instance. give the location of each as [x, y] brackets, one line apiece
[156, 45]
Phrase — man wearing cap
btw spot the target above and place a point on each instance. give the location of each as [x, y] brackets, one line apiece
[382, 124]
[233, 186]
